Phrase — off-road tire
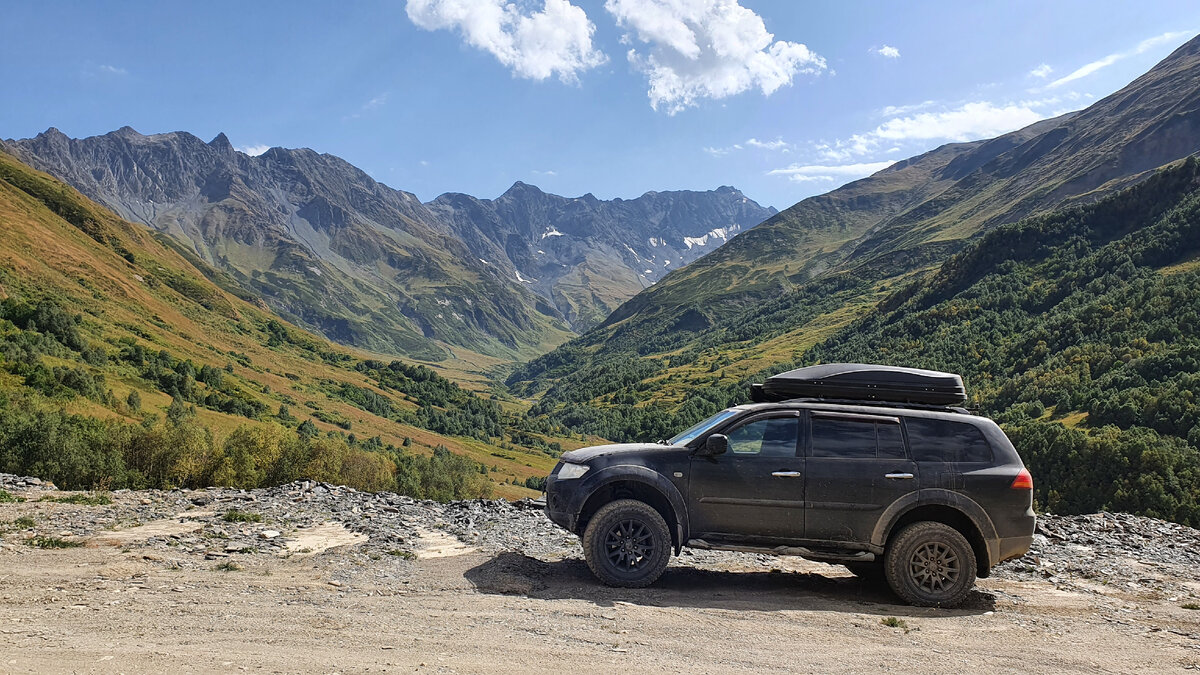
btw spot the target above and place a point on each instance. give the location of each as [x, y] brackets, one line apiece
[930, 564]
[871, 573]
[627, 544]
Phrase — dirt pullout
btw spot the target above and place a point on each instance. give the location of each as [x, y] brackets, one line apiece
[230, 597]
[322, 537]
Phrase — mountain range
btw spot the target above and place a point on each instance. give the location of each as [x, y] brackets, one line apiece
[330, 248]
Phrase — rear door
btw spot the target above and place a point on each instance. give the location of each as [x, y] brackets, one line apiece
[754, 493]
[857, 465]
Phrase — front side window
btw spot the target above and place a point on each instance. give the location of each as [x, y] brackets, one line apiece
[775, 437]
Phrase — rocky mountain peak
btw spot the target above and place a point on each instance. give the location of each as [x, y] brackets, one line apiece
[221, 142]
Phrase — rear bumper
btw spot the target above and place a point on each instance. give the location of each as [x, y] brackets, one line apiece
[1014, 547]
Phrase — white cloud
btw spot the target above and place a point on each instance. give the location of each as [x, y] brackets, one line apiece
[534, 45]
[374, 104]
[803, 173]
[111, 70]
[777, 144]
[1141, 48]
[253, 150]
[887, 52]
[968, 122]
[697, 49]
[721, 152]
[1041, 72]
[549, 172]
[890, 110]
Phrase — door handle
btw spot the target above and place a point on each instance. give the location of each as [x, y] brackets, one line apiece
[786, 474]
[895, 476]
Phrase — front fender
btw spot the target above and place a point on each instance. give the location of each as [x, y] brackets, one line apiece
[939, 497]
[638, 474]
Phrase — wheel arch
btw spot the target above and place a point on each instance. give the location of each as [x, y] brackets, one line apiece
[949, 508]
[643, 484]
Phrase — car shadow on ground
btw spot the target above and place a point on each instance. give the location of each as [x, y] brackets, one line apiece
[681, 586]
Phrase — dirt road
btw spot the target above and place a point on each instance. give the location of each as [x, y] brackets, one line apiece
[103, 610]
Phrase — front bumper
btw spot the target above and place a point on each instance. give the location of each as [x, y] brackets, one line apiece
[564, 501]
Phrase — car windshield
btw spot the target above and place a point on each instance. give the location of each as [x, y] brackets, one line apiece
[687, 436]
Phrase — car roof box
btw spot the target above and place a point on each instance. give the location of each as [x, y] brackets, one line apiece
[863, 382]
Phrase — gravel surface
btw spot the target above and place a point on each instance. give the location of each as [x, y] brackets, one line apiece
[473, 577]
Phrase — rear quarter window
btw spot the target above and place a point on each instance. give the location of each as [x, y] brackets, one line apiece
[934, 440]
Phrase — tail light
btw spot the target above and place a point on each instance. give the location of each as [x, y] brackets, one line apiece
[1023, 481]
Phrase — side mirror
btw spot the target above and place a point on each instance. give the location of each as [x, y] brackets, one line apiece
[716, 444]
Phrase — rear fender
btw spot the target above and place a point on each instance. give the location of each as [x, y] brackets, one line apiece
[939, 497]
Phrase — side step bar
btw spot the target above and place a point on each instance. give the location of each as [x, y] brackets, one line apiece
[832, 556]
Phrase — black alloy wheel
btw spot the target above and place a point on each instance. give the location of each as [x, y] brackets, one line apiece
[930, 564]
[627, 544]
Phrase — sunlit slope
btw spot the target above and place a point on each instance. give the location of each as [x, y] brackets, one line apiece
[229, 357]
[322, 243]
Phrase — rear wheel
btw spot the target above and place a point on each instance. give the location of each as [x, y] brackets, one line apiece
[627, 544]
[930, 564]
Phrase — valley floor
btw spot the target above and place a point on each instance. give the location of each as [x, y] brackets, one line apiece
[319, 593]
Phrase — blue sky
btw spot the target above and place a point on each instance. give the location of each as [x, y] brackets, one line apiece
[781, 99]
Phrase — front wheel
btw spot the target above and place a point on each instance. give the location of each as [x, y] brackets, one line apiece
[930, 564]
[627, 544]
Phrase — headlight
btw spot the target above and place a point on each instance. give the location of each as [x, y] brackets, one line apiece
[571, 471]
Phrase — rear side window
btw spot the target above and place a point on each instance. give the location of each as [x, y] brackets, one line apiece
[850, 437]
[946, 441]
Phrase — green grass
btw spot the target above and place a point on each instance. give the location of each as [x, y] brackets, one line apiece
[1190, 605]
[80, 499]
[229, 566]
[52, 542]
[22, 523]
[235, 516]
[406, 555]
[7, 497]
[893, 622]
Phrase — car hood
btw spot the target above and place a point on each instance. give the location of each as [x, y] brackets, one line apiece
[584, 455]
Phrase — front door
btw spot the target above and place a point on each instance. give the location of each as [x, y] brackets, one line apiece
[856, 467]
[754, 493]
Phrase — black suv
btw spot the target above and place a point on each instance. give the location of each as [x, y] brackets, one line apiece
[925, 495]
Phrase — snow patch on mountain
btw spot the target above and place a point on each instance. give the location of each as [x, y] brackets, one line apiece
[722, 233]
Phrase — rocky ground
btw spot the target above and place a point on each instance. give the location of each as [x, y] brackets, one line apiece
[314, 577]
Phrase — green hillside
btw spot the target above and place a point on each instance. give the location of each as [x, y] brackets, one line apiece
[775, 290]
[1078, 330]
[125, 364]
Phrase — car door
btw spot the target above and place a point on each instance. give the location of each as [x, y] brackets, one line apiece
[754, 493]
[856, 466]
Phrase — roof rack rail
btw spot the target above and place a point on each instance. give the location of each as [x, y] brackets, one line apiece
[880, 404]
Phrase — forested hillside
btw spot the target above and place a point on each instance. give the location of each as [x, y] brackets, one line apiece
[125, 364]
[1079, 331]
